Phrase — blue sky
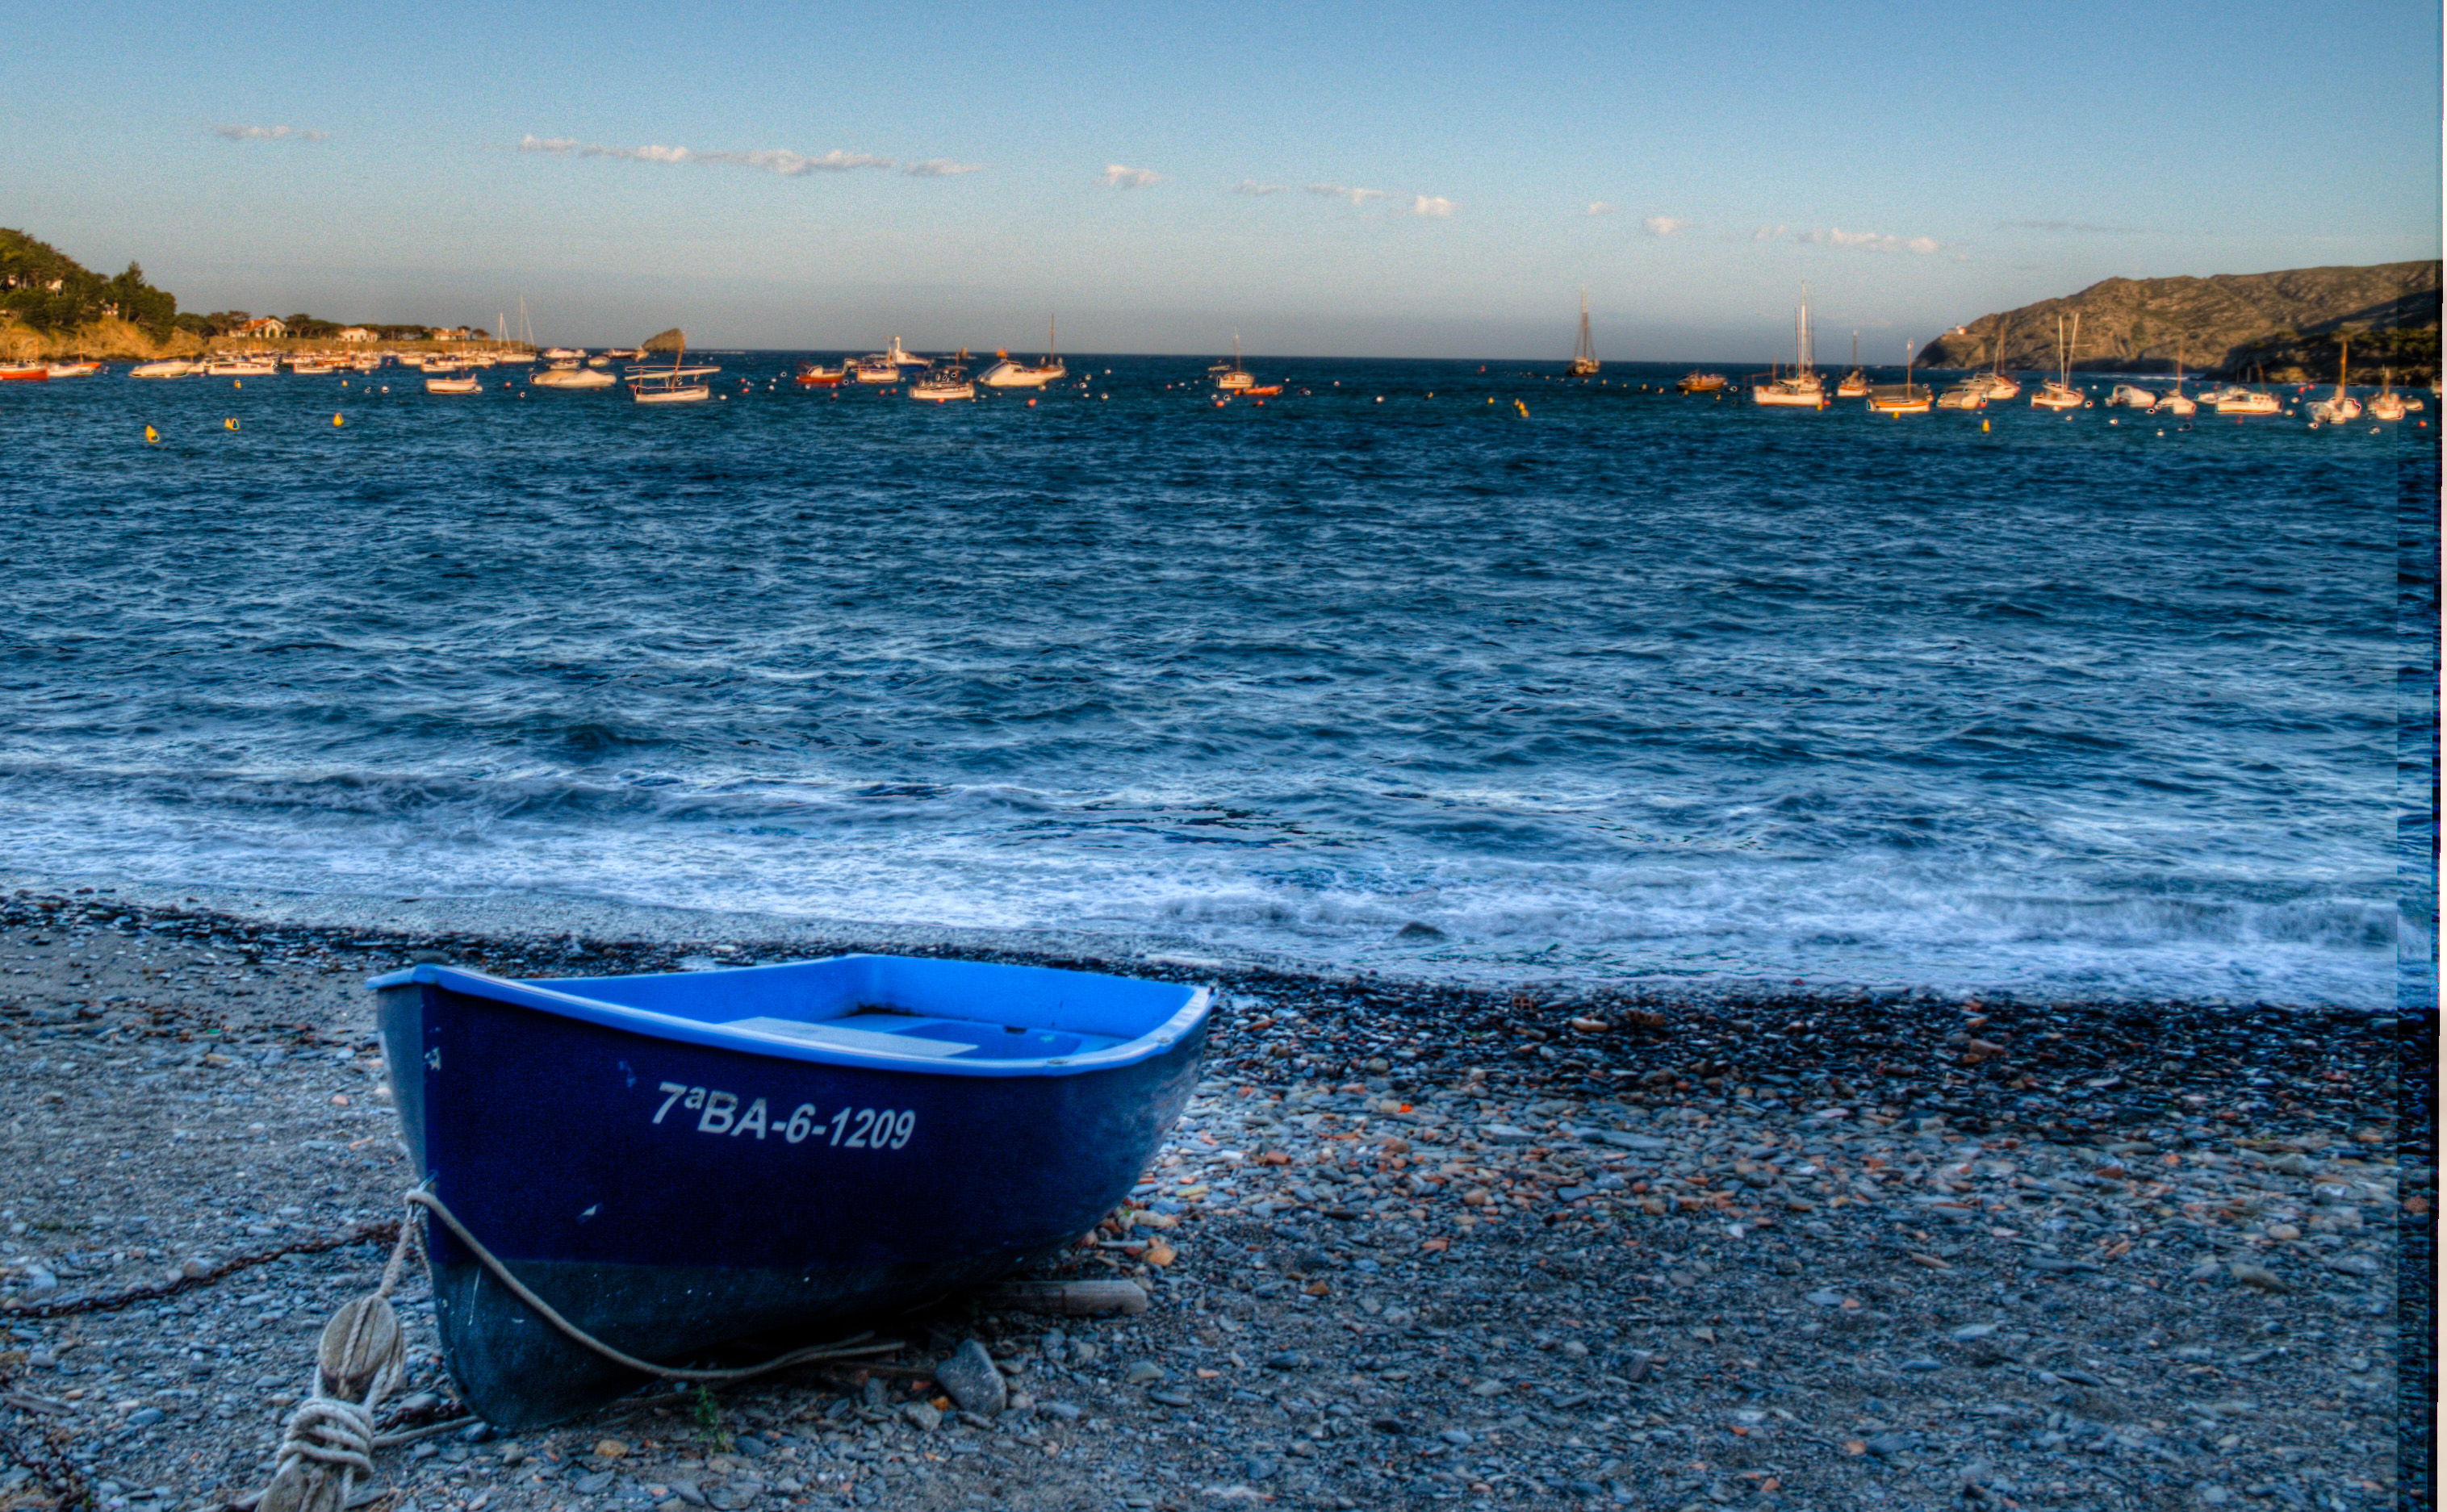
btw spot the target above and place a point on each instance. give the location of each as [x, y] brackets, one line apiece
[1432, 180]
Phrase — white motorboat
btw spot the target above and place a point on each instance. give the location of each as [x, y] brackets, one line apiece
[2126, 396]
[240, 368]
[447, 384]
[902, 357]
[1802, 388]
[876, 367]
[944, 381]
[565, 353]
[73, 370]
[1585, 354]
[166, 367]
[604, 361]
[1964, 396]
[1006, 373]
[568, 374]
[2237, 400]
[1235, 378]
[2340, 406]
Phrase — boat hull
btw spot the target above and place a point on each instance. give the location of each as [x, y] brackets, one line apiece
[666, 1230]
[1789, 398]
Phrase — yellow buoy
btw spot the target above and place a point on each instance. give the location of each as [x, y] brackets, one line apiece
[1524, 409]
[237, 382]
[229, 424]
[1984, 424]
[337, 421]
[151, 434]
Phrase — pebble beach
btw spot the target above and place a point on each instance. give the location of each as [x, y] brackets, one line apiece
[1411, 1245]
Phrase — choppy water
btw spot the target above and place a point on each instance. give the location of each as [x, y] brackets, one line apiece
[1634, 684]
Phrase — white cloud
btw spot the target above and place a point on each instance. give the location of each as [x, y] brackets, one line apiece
[941, 168]
[1344, 191]
[239, 133]
[770, 160]
[1867, 241]
[1599, 207]
[1664, 225]
[1768, 232]
[1251, 186]
[1117, 177]
[1435, 205]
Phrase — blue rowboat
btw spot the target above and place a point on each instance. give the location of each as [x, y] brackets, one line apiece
[685, 1161]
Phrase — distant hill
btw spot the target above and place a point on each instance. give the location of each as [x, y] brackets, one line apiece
[2284, 326]
[45, 288]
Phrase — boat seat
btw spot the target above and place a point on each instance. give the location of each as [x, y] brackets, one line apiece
[930, 1037]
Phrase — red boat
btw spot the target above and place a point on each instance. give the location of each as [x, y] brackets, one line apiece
[816, 375]
[24, 373]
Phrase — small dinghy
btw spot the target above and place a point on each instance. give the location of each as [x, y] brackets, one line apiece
[751, 1156]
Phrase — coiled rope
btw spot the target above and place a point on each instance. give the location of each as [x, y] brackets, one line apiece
[326, 1446]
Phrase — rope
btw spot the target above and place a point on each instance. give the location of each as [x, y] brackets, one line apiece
[326, 1446]
[844, 1349]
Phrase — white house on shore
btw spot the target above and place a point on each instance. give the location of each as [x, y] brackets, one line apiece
[268, 327]
[356, 334]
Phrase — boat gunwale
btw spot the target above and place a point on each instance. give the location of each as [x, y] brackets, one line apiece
[1184, 1022]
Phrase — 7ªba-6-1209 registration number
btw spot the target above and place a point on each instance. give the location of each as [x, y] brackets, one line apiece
[852, 1129]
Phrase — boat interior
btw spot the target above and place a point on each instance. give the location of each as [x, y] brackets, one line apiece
[941, 1012]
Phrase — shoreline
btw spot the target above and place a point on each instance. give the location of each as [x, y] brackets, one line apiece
[1419, 1244]
[609, 922]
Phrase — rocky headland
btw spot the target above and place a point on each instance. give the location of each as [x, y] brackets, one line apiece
[2279, 326]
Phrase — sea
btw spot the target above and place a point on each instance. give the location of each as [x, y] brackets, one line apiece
[1450, 671]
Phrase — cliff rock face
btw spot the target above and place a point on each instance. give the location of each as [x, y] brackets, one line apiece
[2283, 325]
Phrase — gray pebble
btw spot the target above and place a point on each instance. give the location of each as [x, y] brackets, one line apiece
[972, 1381]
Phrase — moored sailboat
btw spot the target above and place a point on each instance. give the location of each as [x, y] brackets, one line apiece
[658, 385]
[1856, 382]
[2340, 406]
[1802, 388]
[1584, 355]
[2059, 392]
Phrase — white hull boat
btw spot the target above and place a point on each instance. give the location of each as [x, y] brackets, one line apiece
[1804, 393]
[875, 370]
[672, 394]
[1963, 396]
[74, 370]
[168, 368]
[1009, 374]
[2175, 404]
[453, 386]
[572, 376]
[1804, 388]
[2125, 396]
[2058, 396]
[240, 368]
[2246, 402]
